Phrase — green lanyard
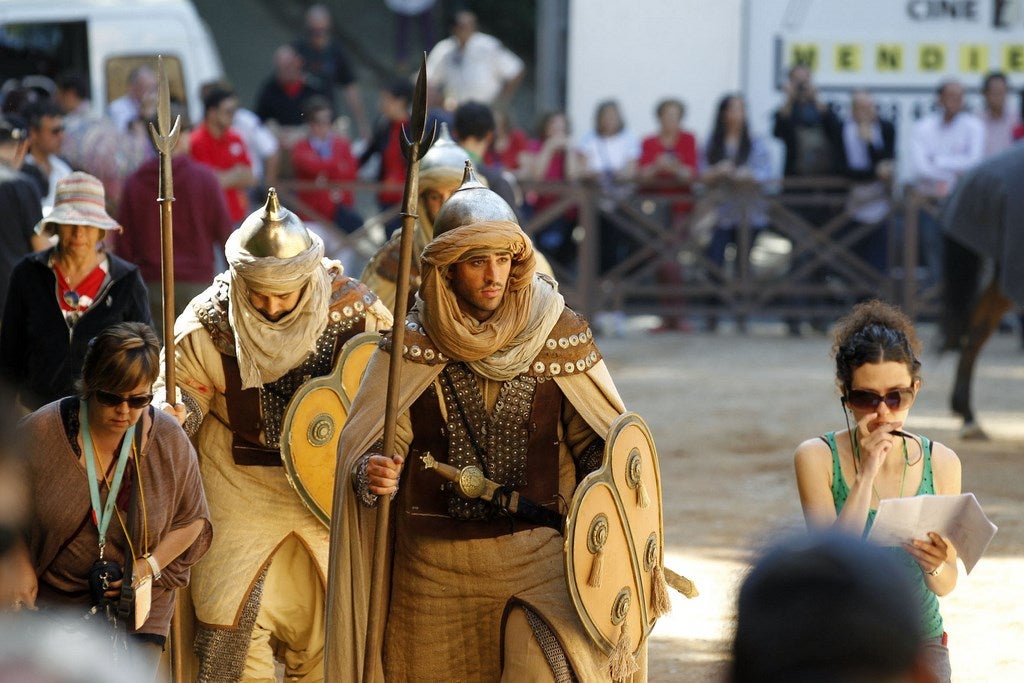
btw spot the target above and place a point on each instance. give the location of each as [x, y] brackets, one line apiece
[102, 518]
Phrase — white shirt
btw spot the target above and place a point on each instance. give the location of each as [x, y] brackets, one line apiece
[123, 111]
[941, 152]
[475, 72]
[999, 131]
[259, 141]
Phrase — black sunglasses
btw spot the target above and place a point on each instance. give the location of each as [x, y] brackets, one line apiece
[862, 399]
[112, 400]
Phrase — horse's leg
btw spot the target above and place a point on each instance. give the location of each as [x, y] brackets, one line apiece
[985, 317]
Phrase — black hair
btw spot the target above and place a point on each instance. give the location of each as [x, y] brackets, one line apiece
[13, 129]
[601, 107]
[874, 332]
[826, 607]
[400, 89]
[315, 104]
[35, 112]
[716, 145]
[670, 102]
[215, 96]
[993, 76]
[473, 120]
[76, 82]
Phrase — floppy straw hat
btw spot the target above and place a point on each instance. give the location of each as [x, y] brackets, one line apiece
[79, 200]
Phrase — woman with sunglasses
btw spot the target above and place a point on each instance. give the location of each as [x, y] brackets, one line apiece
[843, 475]
[117, 493]
[62, 297]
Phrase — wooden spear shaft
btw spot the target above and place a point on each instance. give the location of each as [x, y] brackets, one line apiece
[165, 138]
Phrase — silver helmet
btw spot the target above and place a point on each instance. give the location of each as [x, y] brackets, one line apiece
[273, 231]
[473, 202]
[444, 153]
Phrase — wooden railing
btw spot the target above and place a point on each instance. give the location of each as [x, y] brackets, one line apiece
[803, 264]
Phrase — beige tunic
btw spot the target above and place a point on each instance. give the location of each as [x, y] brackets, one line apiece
[254, 509]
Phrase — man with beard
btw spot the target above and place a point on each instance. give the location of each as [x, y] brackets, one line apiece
[498, 373]
[277, 317]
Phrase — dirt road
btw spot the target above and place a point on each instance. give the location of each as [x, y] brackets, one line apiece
[727, 412]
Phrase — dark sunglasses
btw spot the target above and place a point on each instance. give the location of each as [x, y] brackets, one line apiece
[862, 399]
[112, 400]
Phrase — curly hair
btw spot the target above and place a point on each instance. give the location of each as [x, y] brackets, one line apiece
[874, 332]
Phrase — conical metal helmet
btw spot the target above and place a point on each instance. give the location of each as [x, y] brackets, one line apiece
[473, 202]
[273, 231]
[444, 153]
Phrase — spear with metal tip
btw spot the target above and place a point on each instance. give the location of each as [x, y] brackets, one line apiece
[413, 148]
[165, 138]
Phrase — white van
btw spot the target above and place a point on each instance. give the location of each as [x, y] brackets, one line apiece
[106, 39]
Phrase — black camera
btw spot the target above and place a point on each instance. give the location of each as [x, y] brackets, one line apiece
[101, 575]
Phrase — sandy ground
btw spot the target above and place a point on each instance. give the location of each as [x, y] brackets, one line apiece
[727, 411]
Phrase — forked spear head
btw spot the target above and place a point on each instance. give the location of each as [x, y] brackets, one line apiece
[421, 139]
[164, 135]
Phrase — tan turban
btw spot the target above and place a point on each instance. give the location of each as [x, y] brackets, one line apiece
[502, 346]
[267, 350]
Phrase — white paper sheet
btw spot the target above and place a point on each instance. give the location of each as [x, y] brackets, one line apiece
[958, 518]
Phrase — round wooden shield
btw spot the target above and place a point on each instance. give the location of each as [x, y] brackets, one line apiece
[313, 422]
[614, 538]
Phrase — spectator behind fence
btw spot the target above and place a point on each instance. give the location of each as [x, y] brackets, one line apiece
[999, 117]
[809, 129]
[45, 134]
[842, 476]
[552, 158]
[737, 165]
[867, 153]
[215, 144]
[510, 143]
[324, 158]
[827, 608]
[62, 297]
[472, 66]
[386, 147]
[943, 146]
[610, 153]
[201, 224]
[324, 59]
[20, 203]
[668, 163]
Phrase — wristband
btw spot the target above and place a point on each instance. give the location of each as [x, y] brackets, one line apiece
[154, 567]
[937, 570]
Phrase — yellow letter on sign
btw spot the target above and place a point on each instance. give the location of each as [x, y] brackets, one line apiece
[805, 54]
[973, 59]
[931, 57]
[847, 57]
[889, 57]
[1013, 57]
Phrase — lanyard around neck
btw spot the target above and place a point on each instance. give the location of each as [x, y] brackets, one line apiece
[102, 517]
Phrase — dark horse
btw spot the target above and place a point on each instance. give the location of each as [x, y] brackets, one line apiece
[983, 222]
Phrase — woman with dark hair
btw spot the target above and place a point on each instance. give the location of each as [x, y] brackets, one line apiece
[843, 475]
[737, 165]
[119, 509]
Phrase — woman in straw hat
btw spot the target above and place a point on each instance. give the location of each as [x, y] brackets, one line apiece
[62, 297]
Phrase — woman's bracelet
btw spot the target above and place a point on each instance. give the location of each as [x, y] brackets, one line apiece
[154, 568]
[937, 570]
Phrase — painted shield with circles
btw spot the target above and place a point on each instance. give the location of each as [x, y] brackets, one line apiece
[313, 422]
[614, 538]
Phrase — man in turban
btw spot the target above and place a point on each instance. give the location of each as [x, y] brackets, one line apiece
[277, 317]
[498, 373]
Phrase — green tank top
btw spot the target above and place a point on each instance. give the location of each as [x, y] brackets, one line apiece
[931, 619]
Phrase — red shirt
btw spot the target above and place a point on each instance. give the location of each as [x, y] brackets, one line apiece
[685, 150]
[392, 165]
[309, 165]
[508, 158]
[223, 154]
[1018, 132]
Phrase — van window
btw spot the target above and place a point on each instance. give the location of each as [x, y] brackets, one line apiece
[46, 48]
[117, 70]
